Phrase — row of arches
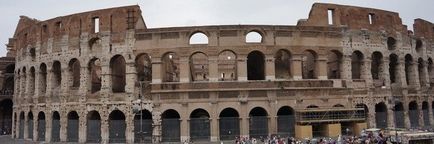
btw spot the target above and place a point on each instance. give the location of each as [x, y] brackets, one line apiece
[202, 38]
[414, 112]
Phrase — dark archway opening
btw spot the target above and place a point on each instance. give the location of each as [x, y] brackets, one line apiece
[408, 69]
[118, 73]
[21, 127]
[72, 128]
[6, 116]
[93, 130]
[309, 65]
[170, 125]
[399, 115]
[381, 115]
[356, 65]
[229, 124]
[117, 127]
[200, 125]
[255, 66]
[393, 68]
[55, 127]
[334, 64]
[425, 112]
[41, 126]
[143, 127]
[258, 124]
[413, 113]
[286, 122]
[282, 64]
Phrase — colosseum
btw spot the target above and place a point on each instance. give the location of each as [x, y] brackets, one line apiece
[103, 76]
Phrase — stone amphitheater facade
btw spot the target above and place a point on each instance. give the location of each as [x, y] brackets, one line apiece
[103, 76]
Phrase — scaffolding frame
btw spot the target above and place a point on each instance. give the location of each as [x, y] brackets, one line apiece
[329, 115]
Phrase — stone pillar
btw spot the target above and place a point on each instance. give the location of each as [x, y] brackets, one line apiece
[106, 82]
[401, 70]
[48, 126]
[131, 80]
[321, 67]
[269, 68]
[49, 90]
[156, 70]
[366, 72]
[430, 113]
[13, 122]
[213, 68]
[37, 85]
[65, 84]
[419, 109]
[242, 68]
[371, 116]
[82, 120]
[27, 94]
[345, 67]
[214, 123]
[63, 126]
[35, 127]
[244, 118]
[185, 129]
[296, 67]
[385, 73]
[426, 74]
[104, 127]
[184, 69]
[406, 116]
[85, 83]
[17, 126]
[390, 116]
[414, 78]
[156, 125]
[129, 129]
[26, 125]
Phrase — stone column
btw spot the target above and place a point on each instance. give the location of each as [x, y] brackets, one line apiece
[156, 125]
[296, 67]
[426, 74]
[419, 109]
[106, 82]
[244, 118]
[213, 68]
[27, 94]
[17, 126]
[48, 126]
[49, 90]
[269, 68]
[85, 83]
[82, 120]
[184, 69]
[185, 129]
[345, 67]
[214, 123]
[131, 80]
[385, 75]
[366, 72]
[406, 115]
[371, 116]
[390, 116]
[129, 129]
[35, 127]
[13, 122]
[242, 68]
[63, 126]
[401, 70]
[321, 67]
[156, 70]
[65, 84]
[37, 86]
[104, 127]
[414, 78]
[26, 125]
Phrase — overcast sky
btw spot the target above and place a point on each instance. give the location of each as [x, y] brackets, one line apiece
[169, 13]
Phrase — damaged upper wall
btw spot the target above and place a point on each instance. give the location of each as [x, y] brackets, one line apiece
[116, 21]
[354, 18]
[423, 28]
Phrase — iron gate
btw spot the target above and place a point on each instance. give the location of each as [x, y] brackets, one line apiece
[55, 131]
[199, 129]
[93, 131]
[143, 131]
[72, 131]
[426, 118]
[30, 128]
[258, 126]
[229, 128]
[21, 132]
[399, 119]
[171, 130]
[286, 125]
[117, 131]
[381, 119]
[414, 118]
[41, 130]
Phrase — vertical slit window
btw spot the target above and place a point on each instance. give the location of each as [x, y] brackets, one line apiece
[96, 24]
[330, 13]
[371, 18]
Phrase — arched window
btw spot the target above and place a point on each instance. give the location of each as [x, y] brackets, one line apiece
[93, 134]
[229, 124]
[200, 125]
[419, 45]
[391, 43]
[95, 75]
[413, 114]
[199, 38]
[356, 65]
[32, 81]
[421, 71]
[254, 37]
[398, 115]
[117, 126]
[227, 66]
[199, 67]
[57, 75]
[309, 65]
[144, 67]
[255, 66]
[74, 71]
[43, 78]
[381, 115]
[377, 65]
[334, 64]
[393, 68]
[258, 126]
[282, 64]
[286, 121]
[170, 67]
[430, 70]
[170, 126]
[409, 72]
[118, 70]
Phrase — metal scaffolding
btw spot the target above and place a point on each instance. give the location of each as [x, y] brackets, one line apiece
[330, 115]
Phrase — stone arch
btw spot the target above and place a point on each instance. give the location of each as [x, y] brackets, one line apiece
[200, 125]
[381, 115]
[93, 129]
[413, 113]
[255, 66]
[258, 123]
[394, 68]
[143, 67]
[229, 124]
[227, 65]
[74, 72]
[399, 115]
[198, 38]
[170, 125]
[143, 127]
[43, 78]
[430, 70]
[421, 71]
[72, 127]
[118, 73]
[391, 43]
[254, 36]
[41, 126]
[282, 64]
[117, 126]
[55, 127]
[21, 127]
[199, 67]
[409, 72]
[170, 67]
[32, 81]
[30, 125]
[309, 64]
[95, 75]
[6, 109]
[425, 113]
[95, 44]
[419, 45]
[377, 65]
[334, 64]
[57, 75]
[357, 61]
[286, 121]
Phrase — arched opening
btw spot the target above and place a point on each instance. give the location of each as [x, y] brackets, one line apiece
[55, 127]
[95, 44]
[430, 70]
[170, 125]
[419, 45]
[117, 127]
[413, 113]
[41, 126]
[32, 81]
[393, 68]
[254, 37]
[43, 78]
[334, 64]
[118, 70]
[143, 127]
[57, 77]
[409, 72]
[74, 71]
[282, 64]
[95, 75]
[255, 66]
[170, 67]
[199, 67]
[258, 123]
[286, 121]
[309, 65]
[227, 66]
[198, 38]
[312, 107]
[229, 123]
[421, 71]
[200, 125]
[72, 127]
[391, 43]
[381, 115]
[377, 67]
[93, 130]
[425, 112]
[21, 127]
[399, 115]
[356, 65]
[30, 125]
[6, 116]
[144, 67]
